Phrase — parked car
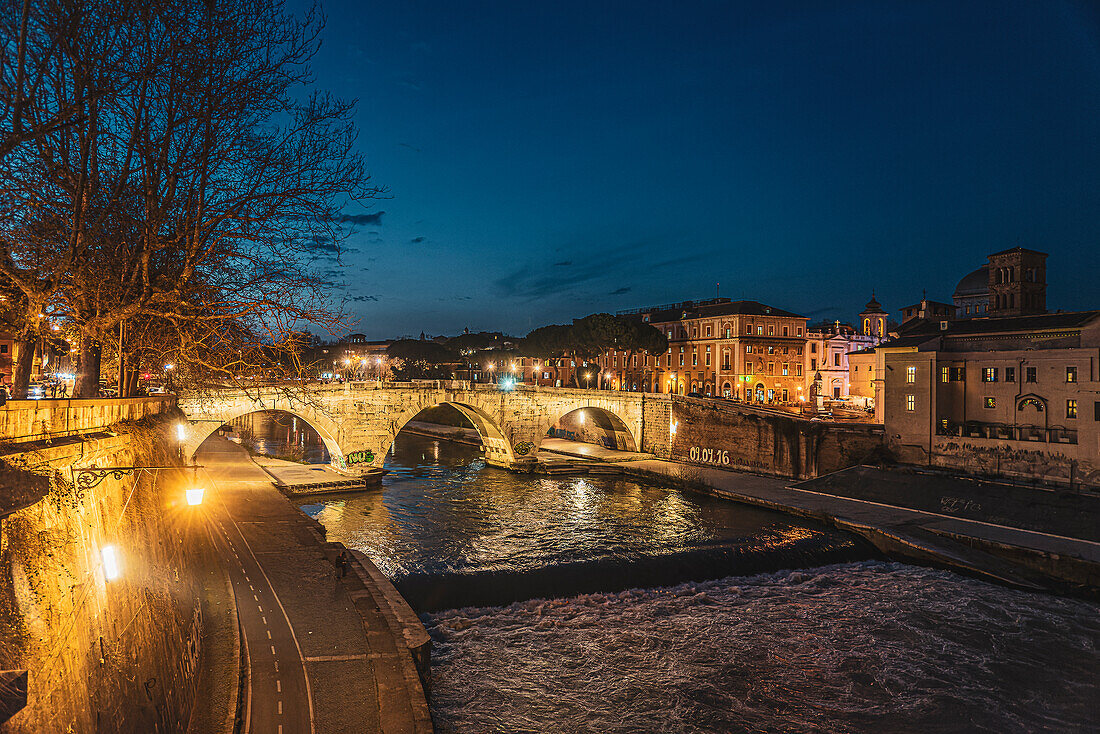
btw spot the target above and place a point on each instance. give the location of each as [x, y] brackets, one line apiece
[108, 392]
[697, 395]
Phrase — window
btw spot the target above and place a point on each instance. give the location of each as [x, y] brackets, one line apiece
[786, 332]
[910, 375]
[797, 370]
[1030, 374]
[3, 348]
[813, 364]
[708, 331]
[695, 359]
[958, 374]
[1010, 374]
[1071, 374]
[728, 333]
[681, 357]
[786, 369]
[910, 402]
[694, 332]
[989, 374]
[760, 330]
[771, 350]
[771, 368]
[991, 402]
[945, 374]
[1071, 409]
[708, 356]
[813, 349]
[748, 349]
[771, 329]
[748, 328]
[800, 331]
[836, 359]
[798, 351]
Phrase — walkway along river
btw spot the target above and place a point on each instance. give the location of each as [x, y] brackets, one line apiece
[601, 605]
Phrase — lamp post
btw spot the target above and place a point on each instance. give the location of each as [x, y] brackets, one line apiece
[587, 380]
[168, 375]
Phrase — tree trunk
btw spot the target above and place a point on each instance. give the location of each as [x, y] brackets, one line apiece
[87, 376]
[22, 364]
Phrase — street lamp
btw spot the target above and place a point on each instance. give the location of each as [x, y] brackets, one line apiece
[168, 374]
[587, 380]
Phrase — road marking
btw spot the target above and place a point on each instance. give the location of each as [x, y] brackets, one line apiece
[269, 634]
[278, 686]
[261, 610]
[255, 598]
[272, 649]
[276, 666]
[280, 729]
[265, 620]
[280, 707]
[250, 587]
[330, 658]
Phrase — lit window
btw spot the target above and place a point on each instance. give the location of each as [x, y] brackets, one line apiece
[910, 374]
[760, 331]
[786, 369]
[945, 374]
[1071, 408]
[771, 330]
[1071, 374]
[800, 331]
[910, 402]
[748, 349]
[798, 370]
[989, 374]
[708, 331]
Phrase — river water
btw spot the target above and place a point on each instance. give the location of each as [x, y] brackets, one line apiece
[573, 604]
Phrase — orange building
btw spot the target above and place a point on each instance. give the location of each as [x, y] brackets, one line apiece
[742, 350]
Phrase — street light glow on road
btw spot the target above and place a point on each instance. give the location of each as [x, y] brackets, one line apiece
[194, 495]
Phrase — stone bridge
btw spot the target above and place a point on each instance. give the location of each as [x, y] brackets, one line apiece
[358, 421]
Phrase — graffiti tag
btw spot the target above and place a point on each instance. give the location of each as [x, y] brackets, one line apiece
[360, 457]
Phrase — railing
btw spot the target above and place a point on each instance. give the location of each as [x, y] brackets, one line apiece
[1005, 432]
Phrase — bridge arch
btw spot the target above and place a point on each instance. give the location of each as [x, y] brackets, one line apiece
[594, 420]
[496, 445]
[203, 427]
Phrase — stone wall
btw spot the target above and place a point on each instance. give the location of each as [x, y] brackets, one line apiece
[103, 655]
[26, 420]
[718, 433]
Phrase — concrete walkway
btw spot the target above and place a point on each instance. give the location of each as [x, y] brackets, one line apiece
[1022, 558]
[320, 655]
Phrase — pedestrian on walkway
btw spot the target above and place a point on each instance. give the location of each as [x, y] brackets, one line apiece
[342, 564]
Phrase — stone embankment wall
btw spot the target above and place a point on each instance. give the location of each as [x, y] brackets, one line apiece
[103, 655]
[716, 433]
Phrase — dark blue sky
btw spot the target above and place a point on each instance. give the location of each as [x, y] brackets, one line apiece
[549, 160]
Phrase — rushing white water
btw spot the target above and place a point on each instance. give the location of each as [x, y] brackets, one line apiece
[863, 647]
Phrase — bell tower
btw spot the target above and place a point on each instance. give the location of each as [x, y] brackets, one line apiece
[1017, 282]
[872, 320]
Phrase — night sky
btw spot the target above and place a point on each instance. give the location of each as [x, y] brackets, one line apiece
[549, 160]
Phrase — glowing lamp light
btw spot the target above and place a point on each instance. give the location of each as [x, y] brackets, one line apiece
[580, 418]
[181, 433]
[112, 565]
[194, 495]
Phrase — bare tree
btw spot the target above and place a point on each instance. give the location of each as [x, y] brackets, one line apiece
[189, 197]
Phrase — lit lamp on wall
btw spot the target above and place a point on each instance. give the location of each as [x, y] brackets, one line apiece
[112, 563]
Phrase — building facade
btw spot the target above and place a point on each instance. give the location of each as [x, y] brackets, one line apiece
[742, 350]
[1015, 395]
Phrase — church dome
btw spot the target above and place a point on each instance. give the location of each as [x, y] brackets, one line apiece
[974, 284]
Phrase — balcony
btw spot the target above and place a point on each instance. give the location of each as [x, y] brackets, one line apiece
[1003, 432]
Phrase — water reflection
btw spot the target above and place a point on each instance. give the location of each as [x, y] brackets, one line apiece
[442, 510]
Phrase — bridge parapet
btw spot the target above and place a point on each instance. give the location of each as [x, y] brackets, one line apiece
[31, 420]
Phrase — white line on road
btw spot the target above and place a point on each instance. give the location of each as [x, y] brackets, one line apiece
[278, 686]
[272, 649]
[269, 634]
[280, 707]
[265, 620]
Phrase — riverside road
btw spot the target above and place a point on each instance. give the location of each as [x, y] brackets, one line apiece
[309, 660]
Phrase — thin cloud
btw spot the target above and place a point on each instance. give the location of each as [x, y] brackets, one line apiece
[373, 218]
[361, 299]
[620, 291]
[417, 240]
